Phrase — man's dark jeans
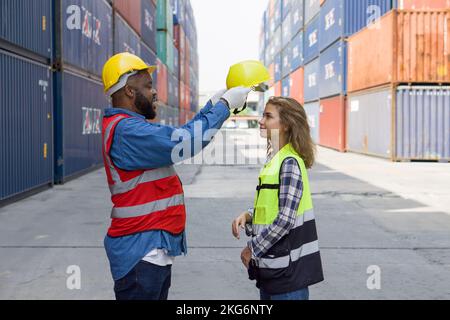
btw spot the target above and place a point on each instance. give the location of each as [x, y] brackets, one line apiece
[146, 281]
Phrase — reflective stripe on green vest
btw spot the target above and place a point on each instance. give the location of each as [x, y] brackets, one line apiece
[266, 200]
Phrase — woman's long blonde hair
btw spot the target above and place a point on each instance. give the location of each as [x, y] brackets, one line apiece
[293, 118]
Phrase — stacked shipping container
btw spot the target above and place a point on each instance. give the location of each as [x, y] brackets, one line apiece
[350, 46]
[409, 47]
[53, 132]
[26, 86]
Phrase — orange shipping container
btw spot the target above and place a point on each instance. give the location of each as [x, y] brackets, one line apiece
[332, 123]
[131, 12]
[404, 47]
[423, 4]
[296, 90]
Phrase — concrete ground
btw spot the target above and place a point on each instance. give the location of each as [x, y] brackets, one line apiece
[369, 212]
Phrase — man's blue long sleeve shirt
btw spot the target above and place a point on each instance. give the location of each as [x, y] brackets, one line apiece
[140, 145]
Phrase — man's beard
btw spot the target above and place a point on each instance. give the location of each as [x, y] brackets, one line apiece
[145, 106]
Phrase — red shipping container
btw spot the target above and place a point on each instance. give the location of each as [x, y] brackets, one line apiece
[131, 12]
[161, 85]
[423, 4]
[297, 89]
[404, 47]
[278, 89]
[332, 123]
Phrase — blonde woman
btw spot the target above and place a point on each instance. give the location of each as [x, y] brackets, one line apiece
[283, 254]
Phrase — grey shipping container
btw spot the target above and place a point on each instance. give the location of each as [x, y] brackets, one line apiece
[420, 129]
[28, 25]
[26, 125]
[80, 103]
[84, 32]
[313, 113]
[369, 122]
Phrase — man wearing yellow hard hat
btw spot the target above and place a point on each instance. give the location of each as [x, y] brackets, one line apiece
[148, 217]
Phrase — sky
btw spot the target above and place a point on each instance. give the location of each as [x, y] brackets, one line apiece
[228, 32]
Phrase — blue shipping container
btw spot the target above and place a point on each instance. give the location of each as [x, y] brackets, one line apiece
[277, 16]
[286, 60]
[297, 14]
[285, 8]
[266, 29]
[333, 70]
[26, 125]
[125, 39]
[78, 125]
[27, 24]
[149, 58]
[311, 46]
[148, 21]
[286, 30]
[312, 8]
[277, 39]
[277, 66]
[286, 87]
[340, 19]
[313, 113]
[148, 55]
[311, 83]
[86, 34]
[297, 52]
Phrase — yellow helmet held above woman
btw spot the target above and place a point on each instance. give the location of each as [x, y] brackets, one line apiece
[119, 68]
[249, 74]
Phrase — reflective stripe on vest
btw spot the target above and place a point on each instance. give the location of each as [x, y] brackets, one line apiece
[296, 254]
[114, 174]
[148, 208]
[147, 176]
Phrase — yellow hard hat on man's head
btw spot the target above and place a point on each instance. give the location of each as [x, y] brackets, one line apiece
[119, 68]
[247, 74]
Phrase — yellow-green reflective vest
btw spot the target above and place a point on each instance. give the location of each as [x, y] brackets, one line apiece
[266, 200]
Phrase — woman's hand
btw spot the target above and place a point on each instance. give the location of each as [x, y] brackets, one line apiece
[246, 256]
[239, 223]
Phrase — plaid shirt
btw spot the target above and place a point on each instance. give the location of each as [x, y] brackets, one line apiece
[291, 189]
